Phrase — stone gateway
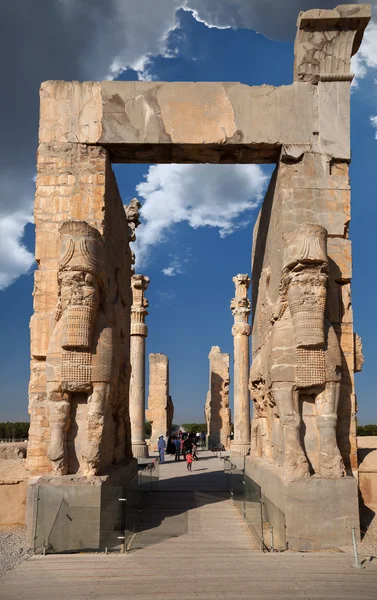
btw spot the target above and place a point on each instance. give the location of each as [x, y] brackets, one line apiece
[304, 348]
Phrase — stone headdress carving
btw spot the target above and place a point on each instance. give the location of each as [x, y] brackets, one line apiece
[132, 214]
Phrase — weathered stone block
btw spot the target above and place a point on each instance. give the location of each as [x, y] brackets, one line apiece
[340, 254]
[318, 512]
[217, 411]
[159, 412]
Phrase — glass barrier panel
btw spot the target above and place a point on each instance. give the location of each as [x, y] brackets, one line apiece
[274, 526]
[253, 509]
[238, 489]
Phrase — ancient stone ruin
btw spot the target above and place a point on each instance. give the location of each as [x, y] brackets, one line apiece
[217, 411]
[160, 406]
[139, 332]
[240, 307]
[304, 349]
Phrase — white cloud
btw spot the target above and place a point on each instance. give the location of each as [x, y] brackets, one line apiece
[16, 210]
[178, 264]
[374, 123]
[164, 297]
[201, 195]
[15, 259]
[366, 57]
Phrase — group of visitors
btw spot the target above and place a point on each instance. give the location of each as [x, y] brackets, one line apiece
[181, 444]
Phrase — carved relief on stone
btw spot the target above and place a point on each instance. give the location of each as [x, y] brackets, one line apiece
[139, 284]
[132, 213]
[81, 354]
[304, 354]
[261, 445]
[326, 41]
[359, 357]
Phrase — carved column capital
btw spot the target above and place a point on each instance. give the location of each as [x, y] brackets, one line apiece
[326, 40]
[139, 283]
[240, 304]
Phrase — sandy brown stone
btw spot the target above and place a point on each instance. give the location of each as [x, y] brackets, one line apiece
[160, 407]
[217, 411]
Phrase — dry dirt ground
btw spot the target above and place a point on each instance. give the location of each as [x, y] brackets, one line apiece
[13, 547]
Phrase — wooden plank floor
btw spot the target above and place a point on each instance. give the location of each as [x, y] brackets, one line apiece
[193, 543]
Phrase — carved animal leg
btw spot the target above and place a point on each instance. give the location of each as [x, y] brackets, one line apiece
[330, 461]
[59, 408]
[97, 403]
[286, 398]
[254, 437]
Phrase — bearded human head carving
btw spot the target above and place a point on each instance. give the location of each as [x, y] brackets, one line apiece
[305, 274]
[80, 357]
[79, 277]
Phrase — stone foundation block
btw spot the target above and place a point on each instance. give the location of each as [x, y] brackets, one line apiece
[318, 513]
[75, 513]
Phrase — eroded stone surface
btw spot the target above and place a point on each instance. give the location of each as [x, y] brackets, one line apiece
[79, 418]
[217, 411]
[160, 406]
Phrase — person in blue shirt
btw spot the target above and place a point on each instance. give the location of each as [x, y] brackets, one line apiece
[161, 449]
[177, 444]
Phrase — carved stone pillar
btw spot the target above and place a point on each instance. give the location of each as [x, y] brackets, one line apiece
[139, 332]
[240, 307]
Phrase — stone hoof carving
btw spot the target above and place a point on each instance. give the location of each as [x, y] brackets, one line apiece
[80, 357]
[303, 354]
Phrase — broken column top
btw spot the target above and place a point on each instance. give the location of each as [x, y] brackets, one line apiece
[327, 39]
[215, 350]
[158, 357]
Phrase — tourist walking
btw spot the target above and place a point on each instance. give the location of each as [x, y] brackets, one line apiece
[189, 460]
[183, 448]
[177, 444]
[161, 449]
[170, 448]
[194, 449]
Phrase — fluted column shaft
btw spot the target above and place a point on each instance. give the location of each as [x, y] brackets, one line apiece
[139, 332]
[241, 330]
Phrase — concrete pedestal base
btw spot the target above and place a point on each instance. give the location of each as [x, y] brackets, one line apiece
[73, 513]
[316, 513]
[140, 450]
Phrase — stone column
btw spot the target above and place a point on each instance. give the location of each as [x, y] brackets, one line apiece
[139, 332]
[217, 411]
[240, 306]
[160, 406]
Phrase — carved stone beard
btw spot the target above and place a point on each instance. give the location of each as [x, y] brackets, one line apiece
[80, 303]
[307, 294]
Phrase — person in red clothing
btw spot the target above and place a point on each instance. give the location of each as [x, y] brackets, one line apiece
[189, 460]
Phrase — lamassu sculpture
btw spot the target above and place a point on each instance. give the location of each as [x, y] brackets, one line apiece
[302, 356]
[81, 356]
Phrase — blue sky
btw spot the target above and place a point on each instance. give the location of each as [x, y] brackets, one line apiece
[189, 306]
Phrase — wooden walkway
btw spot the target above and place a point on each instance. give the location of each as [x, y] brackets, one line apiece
[192, 544]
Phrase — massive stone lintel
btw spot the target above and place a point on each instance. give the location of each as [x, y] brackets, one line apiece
[160, 406]
[217, 411]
